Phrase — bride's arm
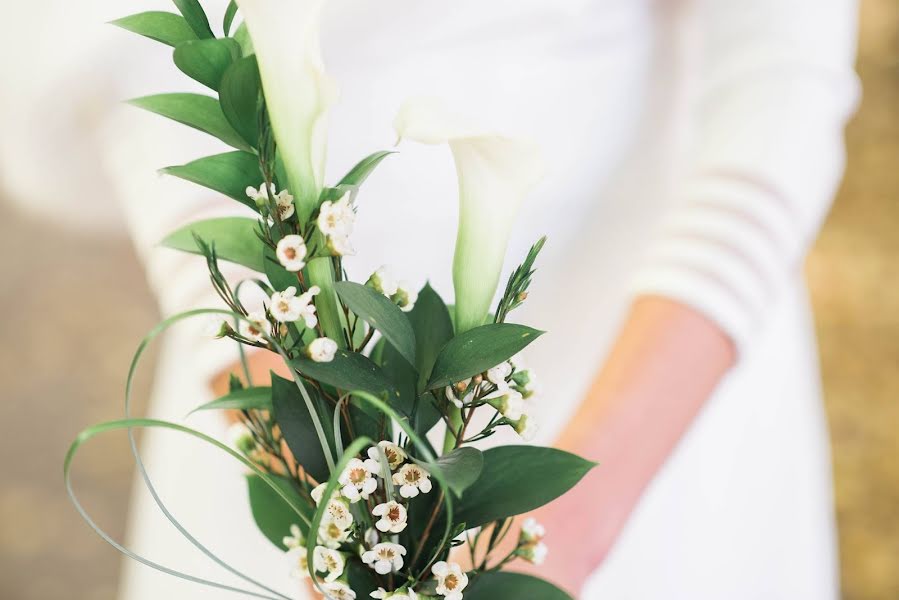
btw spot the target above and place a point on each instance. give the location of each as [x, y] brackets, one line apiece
[776, 86]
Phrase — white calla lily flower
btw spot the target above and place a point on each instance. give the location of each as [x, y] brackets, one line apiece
[297, 91]
[495, 174]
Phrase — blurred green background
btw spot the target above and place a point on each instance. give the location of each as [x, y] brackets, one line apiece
[91, 291]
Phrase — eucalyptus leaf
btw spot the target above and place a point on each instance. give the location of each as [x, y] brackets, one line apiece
[272, 514]
[194, 110]
[206, 60]
[230, 173]
[254, 398]
[161, 26]
[348, 371]
[502, 492]
[381, 313]
[239, 98]
[296, 422]
[478, 350]
[461, 468]
[505, 585]
[234, 238]
[195, 16]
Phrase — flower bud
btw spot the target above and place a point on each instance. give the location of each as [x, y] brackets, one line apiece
[382, 281]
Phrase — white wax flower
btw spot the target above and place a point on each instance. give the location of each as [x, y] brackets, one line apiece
[255, 326]
[385, 557]
[412, 480]
[338, 512]
[395, 455]
[295, 539]
[527, 427]
[498, 375]
[451, 580]
[331, 536]
[322, 349]
[291, 252]
[535, 554]
[405, 297]
[285, 307]
[337, 590]
[340, 245]
[382, 281]
[357, 481]
[510, 403]
[285, 35]
[328, 561]
[393, 517]
[532, 531]
[495, 174]
[402, 594]
[297, 558]
[337, 218]
[319, 491]
[307, 308]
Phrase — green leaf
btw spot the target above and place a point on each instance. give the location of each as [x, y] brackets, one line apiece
[478, 350]
[206, 60]
[461, 468]
[502, 492]
[292, 415]
[194, 110]
[505, 585]
[272, 514]
[230, 173]
[254, 398]
[349, 371]
[433, 328]
[239, 98]
[228, 20]
[364, 168]
[195, 17]
[165, 27]
[234, 238]
[381, 313]
[242, 35]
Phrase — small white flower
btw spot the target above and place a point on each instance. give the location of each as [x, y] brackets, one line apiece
[307, 308]
[451, 396]
[338, 513]
[385, 557]
[340, 245]
[527, 427]
[260, 196]
[509, 403]
[454, 391]
[498, 375]
[337, 218]
[284, 201]
[319, 491]
[412, 480]
[255, 326]
[395, 455]
[214, 327]
[371, 536]
[451, 580]
[393, 517]
[405, 297]
[337, 590]
[326, 560]
[332, 536]
[532, 531]
[299, 565]
[322, 349]
[357, 481]
[295, 539]
[284, 306]
[397, 595]
[534, 553]
[291, 252]
[382, 281]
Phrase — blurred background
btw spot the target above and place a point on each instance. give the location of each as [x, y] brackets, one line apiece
[91, 289]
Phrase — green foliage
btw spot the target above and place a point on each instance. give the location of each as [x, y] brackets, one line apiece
[349, 371]
[161, 26]
[234, 239]
[206, 60]
[461, 468]
[517, 287]
[230, 173]
[195, 16]
[381, 313]
[356, 176]
[501, 491]
[478, 350]
[254, 398]
[194, 110]
[503, 585]
[296, 422]
[239, 96]
[272, 514]
[228, 19]
[433, 328]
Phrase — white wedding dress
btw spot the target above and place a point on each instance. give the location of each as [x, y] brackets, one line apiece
[693, 148]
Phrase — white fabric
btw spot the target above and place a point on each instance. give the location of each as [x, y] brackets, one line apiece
[694, 147]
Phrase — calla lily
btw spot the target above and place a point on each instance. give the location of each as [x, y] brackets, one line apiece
[495, 174]
[285, 35]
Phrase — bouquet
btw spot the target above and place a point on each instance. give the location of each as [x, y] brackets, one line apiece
[348, 474]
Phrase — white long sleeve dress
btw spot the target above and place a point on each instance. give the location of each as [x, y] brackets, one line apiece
[693, 149]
